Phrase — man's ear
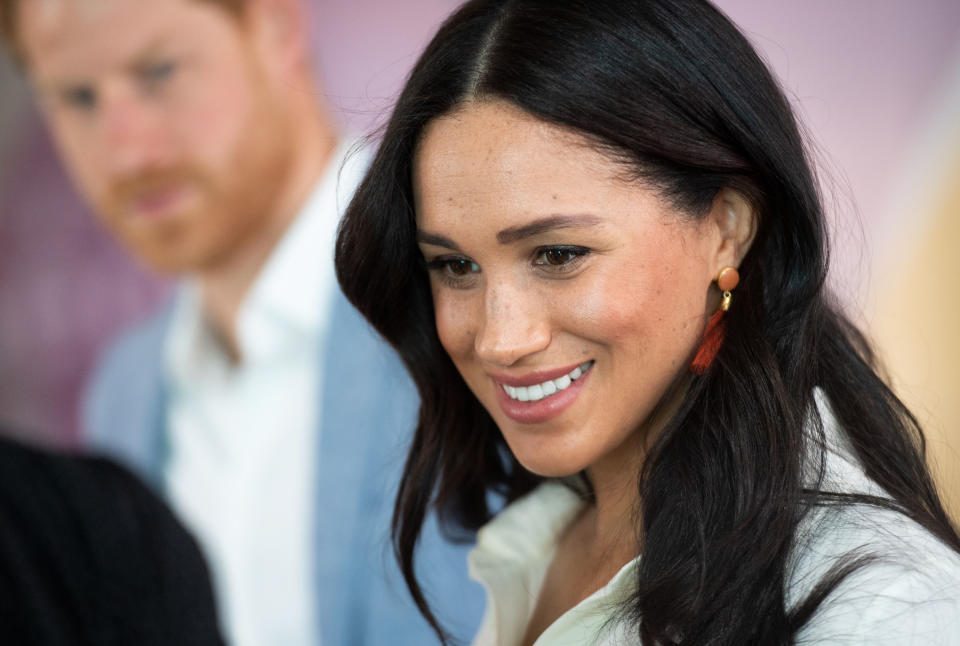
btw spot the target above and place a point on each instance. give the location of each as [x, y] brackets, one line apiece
[736, 224]
[280, 28]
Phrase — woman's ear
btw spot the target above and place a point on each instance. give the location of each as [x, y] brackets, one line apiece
[735, 220]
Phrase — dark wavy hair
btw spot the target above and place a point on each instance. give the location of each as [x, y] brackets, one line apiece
[674, 91]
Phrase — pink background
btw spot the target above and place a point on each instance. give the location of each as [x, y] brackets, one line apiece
[869, 78]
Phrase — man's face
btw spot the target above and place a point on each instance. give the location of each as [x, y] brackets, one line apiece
[168, 115]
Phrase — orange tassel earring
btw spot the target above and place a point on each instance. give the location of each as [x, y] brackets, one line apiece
[727, 280]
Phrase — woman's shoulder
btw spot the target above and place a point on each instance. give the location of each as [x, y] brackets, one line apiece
[904, 587]
[888, 542]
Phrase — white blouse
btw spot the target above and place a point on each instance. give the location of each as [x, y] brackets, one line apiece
[909, 596]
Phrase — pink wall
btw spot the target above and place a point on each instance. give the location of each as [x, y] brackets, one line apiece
[865, 74]
[365, 49]
[64, 290]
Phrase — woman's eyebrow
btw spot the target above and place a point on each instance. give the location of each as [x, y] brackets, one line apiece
[438, 241]
[513, 234]
[549, 223]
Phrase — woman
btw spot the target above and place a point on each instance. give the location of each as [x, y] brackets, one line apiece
[592, 234]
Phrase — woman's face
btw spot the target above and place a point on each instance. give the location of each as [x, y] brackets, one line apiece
[569, 299]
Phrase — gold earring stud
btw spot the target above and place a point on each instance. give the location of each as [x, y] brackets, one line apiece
[727, 280]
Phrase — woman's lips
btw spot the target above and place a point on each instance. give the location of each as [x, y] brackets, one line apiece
[538, 376]
[541, 396]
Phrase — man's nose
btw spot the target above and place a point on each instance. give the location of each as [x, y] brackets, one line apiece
[133, 133]
[515, 325]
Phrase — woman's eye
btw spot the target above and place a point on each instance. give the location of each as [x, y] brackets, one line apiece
[461, 267]
[562, 258]
[454, 271]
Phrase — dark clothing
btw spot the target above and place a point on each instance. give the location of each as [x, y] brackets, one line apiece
[89, 556]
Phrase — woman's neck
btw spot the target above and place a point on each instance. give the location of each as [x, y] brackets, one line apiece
[608, 534]
[615, 515]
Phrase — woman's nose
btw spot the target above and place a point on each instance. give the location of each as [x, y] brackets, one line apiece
[515, 325]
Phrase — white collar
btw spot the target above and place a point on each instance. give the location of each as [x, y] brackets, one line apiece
[300, 270]
[511, 559]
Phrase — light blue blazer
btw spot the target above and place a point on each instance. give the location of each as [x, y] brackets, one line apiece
[368, 413]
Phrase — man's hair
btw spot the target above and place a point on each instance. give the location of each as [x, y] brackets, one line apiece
[9, 37]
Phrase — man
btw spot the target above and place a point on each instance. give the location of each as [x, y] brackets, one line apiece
[258, 401]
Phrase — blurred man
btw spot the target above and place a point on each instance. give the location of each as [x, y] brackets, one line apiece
[258, 401]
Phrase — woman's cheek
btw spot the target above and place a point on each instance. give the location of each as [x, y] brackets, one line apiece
[613, 306]
[455, 327]
[644, 312]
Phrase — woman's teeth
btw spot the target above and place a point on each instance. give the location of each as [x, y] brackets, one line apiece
[539, 391]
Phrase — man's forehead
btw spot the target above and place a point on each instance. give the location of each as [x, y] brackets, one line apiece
[86, 36]
[51, 16]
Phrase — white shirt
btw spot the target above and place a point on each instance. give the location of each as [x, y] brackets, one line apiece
[910, 597]
[242, 438]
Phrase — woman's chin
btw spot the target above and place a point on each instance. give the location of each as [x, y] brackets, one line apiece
[548, 465]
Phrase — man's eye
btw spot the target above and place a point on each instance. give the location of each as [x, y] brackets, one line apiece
[82, 97]
[158, 72]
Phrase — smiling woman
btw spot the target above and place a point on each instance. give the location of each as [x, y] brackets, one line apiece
[528, 283]
[592, 233]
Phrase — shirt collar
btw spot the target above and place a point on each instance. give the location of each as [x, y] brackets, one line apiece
[511, 558]
[298, 278]
[185, 352]
[528, 528]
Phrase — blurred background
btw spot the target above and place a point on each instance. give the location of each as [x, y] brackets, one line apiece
[876, 84]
